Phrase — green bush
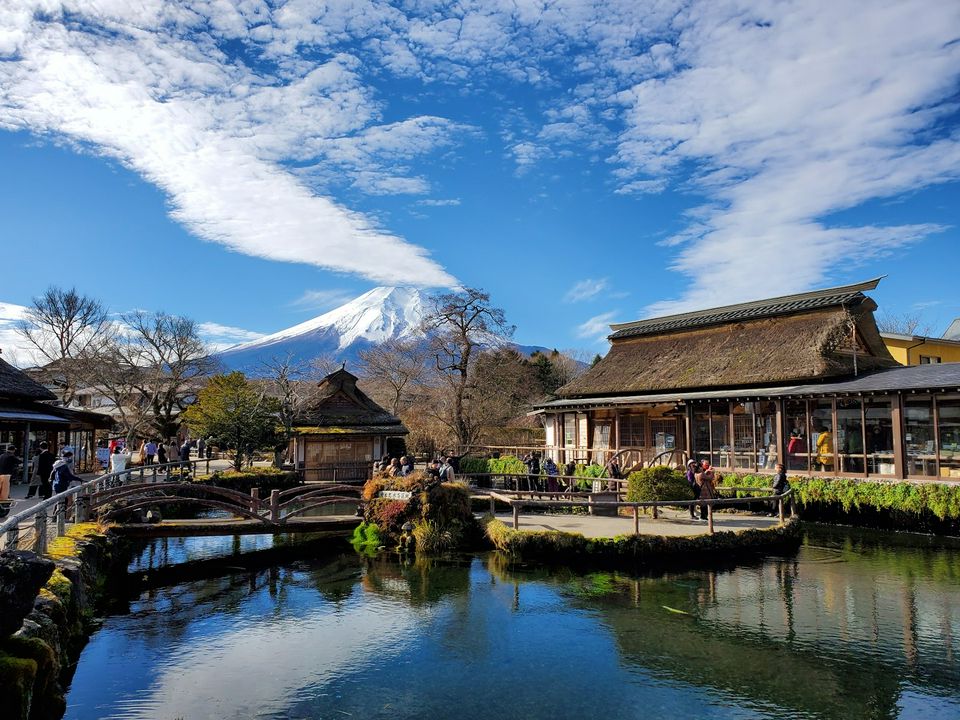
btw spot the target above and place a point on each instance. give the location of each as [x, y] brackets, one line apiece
[244, 480]
[657, 483]
[470, 464]
[505, 465]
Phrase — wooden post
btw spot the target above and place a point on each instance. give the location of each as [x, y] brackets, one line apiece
[636, 520]
[60, 515]
[13, 538]
[254, 499]
[780, 510]
[154, 473]
[40, 528]
[493, 506]
[656, 514]
[275, 506]
[590, 504]
[516, 516]
[141, 473]
[207, 460]
[710, 518]
[80, 508]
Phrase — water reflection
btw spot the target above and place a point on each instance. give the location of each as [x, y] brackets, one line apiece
[852, 626]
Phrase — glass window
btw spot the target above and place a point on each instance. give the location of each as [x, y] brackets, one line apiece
[918, 435]
[849, 440]
[720, 450]
[796, 431]
[601, 441]
[948, 412]
[765, 414]
[632, 433]
[701, 432]
[744, 456]
[929, 360]
[569, 430]
[821, 418]
[879, 437]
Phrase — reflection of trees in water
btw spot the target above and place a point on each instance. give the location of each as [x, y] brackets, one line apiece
[813, 634]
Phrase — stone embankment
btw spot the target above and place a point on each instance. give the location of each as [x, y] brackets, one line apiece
[45, 608]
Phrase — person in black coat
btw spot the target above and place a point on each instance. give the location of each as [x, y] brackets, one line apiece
[44, 466]
[780, 486]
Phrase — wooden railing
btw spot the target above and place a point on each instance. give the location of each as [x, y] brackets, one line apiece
[517, 502]
[142, 487]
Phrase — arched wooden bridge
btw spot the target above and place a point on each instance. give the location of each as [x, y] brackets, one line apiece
[281, 512]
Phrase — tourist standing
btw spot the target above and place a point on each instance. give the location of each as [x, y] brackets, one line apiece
[119, 461]
[796, 448]
[201, 447]
[8, 468]
[706, 480]
[185, 454]
[694, 485]
[532, 461]
[780, 486]
[553, 484]
[824, 449]
[150, 451]
[142, 454]
[173, 450]
[162, 456]
[446, 470]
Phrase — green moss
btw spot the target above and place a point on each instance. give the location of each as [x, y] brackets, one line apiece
[60, 587]
[17, 678]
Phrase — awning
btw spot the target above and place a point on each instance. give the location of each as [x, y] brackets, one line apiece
[17, 415]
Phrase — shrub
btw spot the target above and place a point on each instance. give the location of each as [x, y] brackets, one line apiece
[433, 538]
[657, 483]
[244, 480]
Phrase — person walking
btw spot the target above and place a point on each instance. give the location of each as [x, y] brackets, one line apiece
[62, 474]
[201, 447]
[119, 461]
[142, 454]
[553, 484]
[45, 463]
[173, 450]
[162, 456]
[446, 470]
[185, 455]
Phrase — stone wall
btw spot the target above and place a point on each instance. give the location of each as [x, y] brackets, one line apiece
[36, 660]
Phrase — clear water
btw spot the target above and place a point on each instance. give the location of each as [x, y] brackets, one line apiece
[855, 625]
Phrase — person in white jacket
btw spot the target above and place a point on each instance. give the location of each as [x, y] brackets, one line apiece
[119, 461]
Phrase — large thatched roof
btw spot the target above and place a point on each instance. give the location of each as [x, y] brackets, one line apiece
[17, 384]
[741, 346]
[340, 404]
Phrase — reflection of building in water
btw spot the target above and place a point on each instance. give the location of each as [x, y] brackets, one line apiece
[733, 385]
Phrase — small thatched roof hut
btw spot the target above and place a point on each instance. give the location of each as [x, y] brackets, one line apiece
[342, 428]
[17, 385]
[808, 337]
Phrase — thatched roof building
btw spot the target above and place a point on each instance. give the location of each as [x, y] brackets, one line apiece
[342, 431]
[17, 385]
[806, 337]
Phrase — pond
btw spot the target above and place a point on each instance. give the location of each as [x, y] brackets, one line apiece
[854, 625]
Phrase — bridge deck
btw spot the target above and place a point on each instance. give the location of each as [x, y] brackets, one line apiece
[329, 524]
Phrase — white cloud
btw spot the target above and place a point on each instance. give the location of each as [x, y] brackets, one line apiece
[15, 349]
[323, 299]
[586, 289]
[216, 333]
[451, 202]
[596, 328]
[843, 108]
[213, 134]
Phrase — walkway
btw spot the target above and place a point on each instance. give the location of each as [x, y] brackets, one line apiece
[671, 523]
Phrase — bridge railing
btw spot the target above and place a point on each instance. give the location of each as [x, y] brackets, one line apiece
[35, 527]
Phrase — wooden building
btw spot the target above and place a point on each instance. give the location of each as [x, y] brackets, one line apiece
[342, 431]
[803, 379]
[27, 418]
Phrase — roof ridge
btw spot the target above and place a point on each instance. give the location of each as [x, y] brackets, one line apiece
[750, 305]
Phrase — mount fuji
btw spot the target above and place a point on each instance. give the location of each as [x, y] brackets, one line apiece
[381, 314]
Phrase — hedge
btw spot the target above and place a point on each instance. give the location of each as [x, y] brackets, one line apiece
[244, 480]
[570, 548]
[943, 501]
[512, 465]
[657, 483]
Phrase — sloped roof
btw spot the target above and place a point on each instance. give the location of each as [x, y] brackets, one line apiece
[15, 383]
[843, 296]
[797, 348]
[338, 402]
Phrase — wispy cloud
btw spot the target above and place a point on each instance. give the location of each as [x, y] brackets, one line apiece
[147, 85]
[450, 202]
[596, 328]
[218, 332]
[586, 289]
[323, 299]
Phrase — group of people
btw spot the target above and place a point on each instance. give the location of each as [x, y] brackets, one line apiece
[440, 468]
[703, 485]
[50, 474]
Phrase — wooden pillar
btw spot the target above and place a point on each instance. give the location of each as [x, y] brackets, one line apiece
[275, 506]
[780, 510]
[710, 518]
[688, 423]
[781, 435]
[40, 530]
[899, 447]
[636, 520]
[26, 455]
[493, 506]
[516, 516]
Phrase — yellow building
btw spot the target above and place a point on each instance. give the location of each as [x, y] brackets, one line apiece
[921, 350]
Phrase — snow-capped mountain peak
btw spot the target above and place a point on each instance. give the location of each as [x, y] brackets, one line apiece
[378, 315]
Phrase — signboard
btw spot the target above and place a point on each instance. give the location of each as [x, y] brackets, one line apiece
[396, 494]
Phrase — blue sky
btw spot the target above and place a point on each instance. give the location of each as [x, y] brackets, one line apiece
[252, 164]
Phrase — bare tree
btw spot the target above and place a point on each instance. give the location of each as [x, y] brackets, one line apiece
[903, 324]
[159, 362]
[397, 367]
[292, 383]
[459, 325]
[67, 329]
